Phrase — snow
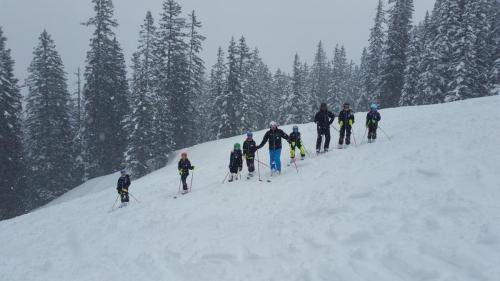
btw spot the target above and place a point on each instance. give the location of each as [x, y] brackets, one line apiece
[423, 206]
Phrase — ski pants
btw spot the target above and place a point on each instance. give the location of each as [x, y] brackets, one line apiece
[234, 169]
[326, 133]
[372, 132]
[345, 132]
[250, 164]
[184, 183]
[300, 146]
[124, 195]
[275, 159]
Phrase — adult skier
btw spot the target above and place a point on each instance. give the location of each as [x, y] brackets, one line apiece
[122, 187]
[346, 120]
[323, 120]
[274, 136]
[235, 162]
[372, 119]
[249, 148]
[184, 166]
[295, 141]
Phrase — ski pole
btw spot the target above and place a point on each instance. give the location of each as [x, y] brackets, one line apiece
[225, 177]
[258, 166]
[335, 128]
[112, 208]
[364, 135]
[354, 138]
[180, 180]
[134, 197]
[384, 133]
[265, 165]
[295, 164]
[191, 185]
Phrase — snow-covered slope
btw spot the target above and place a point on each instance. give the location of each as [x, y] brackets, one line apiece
[423, 206]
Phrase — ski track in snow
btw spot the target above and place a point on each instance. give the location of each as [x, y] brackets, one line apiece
[424, 206]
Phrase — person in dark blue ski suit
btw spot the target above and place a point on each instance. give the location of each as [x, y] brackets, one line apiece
[235, 162]
[184, 166]
[346, 120]
[372, 119]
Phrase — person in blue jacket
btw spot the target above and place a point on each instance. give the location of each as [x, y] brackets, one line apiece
[346, 120]
[372, 119]
[122, 187]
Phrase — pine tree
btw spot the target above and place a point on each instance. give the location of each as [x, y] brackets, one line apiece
[141, 149]
[375, 54]
[410, 94]
[398, 39]
[495, 42]
[320, 77]
[196, 68]
[12, 185]
[298, 102]
[337, 93]
[174, 87]
[263, 104]
[49, 135]
[363, 81]
[247, 68]
[106, 96]
[217, 98]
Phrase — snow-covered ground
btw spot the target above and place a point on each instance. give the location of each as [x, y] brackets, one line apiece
[423, 206]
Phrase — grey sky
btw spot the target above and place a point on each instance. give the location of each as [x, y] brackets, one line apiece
[279, 28]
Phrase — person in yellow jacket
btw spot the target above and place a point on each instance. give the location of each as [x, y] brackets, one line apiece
[295, 141]
[346, 120]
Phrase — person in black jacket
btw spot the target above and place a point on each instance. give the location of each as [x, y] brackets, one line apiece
[122, 187]
[235, 162]
[249, 148]
[274, 136]
[184, 166]
[346, 120]
[372, 119]
[323, 120]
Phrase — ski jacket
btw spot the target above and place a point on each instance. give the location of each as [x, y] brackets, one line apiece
[295, 138]
[372, 118]
[123, 184]
[274, 137]
[236, 159]
[324, 119]
[184, 166]
[345, 116]
[249, 148]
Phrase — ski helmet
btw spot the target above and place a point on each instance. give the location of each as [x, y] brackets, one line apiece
[123, 172]
[346, 104]
[249, 134]
[323, 106]
[273, 124]
[184, 154]
[295, 129]
[237, 146]
[373, 106]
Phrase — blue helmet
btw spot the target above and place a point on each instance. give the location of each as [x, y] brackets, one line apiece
[249, 134]
[373, 106]
[123, 172]
[295, 129]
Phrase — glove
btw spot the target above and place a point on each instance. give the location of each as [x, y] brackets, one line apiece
[240, 168]
[350, 122]
[341, 124]
[181, 172]
[292, 143]
[192, 168]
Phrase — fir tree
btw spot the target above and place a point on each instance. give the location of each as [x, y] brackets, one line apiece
[174, 87]
[12, 185]
[49, 135]
[375, 54]
[398, 39]
[363, 81]
[320, 76]
[337, 94]
[141, 149]
[217, 97]
[410, 94]
[106, 96]
[298, 107]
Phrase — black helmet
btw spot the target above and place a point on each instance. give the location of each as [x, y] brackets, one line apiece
[346, 104]
[323, 106]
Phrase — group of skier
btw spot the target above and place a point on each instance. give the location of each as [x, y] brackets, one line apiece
[323, 119]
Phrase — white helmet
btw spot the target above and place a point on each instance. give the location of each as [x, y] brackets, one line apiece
[273, 124]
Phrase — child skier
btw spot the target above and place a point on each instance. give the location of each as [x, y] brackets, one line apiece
[372, 119]
[346, 120]
[235, 162]
[296, 142]
[249, 148]
[184, 166]
[122, 187]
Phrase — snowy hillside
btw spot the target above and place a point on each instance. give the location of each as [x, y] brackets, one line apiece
[423, 206]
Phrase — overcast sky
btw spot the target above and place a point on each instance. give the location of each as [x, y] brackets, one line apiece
[279, 28]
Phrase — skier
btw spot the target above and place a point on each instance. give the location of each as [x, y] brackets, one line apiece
[323, 120]
[249, 148]
[296, 142]
[372, 119]
[122, 187]
[184, 166]
[235, 162]
[274, 136]
[346, 120]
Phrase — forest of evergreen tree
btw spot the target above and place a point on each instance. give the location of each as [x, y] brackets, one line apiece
[168, 100]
